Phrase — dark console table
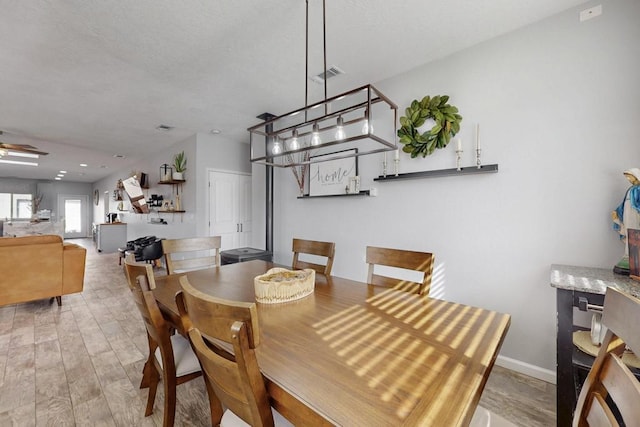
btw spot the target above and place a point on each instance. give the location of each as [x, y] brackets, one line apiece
[578, 287]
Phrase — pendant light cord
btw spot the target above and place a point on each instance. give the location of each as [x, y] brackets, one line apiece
[306, 59]
[306, 62]
[324, 48]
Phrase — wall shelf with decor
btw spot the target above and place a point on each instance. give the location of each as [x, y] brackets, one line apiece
[176, 186]
[469, 170]
[172, 182]
[175, 183]
[361, 193]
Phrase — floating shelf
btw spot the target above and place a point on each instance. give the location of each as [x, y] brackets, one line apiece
[173, 181]
[167, 211]
[469, 170]
[362, 193]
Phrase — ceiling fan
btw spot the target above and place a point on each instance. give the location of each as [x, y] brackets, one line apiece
[21, 148]
[18, 149]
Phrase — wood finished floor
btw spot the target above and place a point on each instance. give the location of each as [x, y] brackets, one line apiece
[81, 364]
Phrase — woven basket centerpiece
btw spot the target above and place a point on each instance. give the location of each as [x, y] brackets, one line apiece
[282, 285]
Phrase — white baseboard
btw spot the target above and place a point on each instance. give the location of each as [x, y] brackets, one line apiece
[527, 369]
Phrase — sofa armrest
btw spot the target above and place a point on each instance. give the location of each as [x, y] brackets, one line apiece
[74, 257]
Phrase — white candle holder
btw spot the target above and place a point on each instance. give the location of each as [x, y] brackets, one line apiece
[478, 162]
[458, 159]
[384, 165]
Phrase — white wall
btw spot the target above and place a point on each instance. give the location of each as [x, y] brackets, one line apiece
[558, 106]
[180, 225]
[50, 191]
[216, 152]
[203, 152]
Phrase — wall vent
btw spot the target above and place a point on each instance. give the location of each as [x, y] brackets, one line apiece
[331, 72]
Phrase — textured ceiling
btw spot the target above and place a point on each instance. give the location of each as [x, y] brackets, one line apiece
[85, 80]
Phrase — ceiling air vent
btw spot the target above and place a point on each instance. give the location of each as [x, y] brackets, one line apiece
[331, 72]
[164, 127]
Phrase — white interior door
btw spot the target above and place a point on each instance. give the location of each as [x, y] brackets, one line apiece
[230, 208]
[74, 212]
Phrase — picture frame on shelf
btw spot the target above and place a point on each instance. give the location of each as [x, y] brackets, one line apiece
[333, 176]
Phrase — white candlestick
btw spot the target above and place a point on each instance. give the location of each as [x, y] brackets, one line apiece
[459, 144]
[477, 136]
[397, 154]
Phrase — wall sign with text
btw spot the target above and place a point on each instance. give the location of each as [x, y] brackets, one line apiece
[332, 176]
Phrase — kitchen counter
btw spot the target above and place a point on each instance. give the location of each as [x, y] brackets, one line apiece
[591, 280]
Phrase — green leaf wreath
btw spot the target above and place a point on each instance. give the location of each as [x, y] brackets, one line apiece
[447, 125]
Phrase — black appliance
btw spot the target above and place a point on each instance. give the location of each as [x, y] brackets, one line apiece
[233, 256]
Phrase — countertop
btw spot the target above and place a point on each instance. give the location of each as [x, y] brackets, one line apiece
[592, 280]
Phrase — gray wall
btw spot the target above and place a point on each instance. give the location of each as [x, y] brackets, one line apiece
[203, 152]
[216, 152]
[179, 225]
[558, 105]
[49, 189]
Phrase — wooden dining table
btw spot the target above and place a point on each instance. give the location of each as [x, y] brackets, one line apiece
[353, 354]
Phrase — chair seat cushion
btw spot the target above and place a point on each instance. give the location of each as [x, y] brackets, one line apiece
[183, 356]
[229, 419]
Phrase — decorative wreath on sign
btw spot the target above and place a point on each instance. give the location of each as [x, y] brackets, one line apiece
[447, 125]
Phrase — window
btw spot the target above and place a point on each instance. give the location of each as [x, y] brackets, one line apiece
[15, 206]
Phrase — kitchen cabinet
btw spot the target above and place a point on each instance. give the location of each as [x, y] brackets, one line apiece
[108, 237]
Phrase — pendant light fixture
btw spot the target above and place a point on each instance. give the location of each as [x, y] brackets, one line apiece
[334, 128]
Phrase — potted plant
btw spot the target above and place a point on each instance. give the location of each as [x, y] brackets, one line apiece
[179, 166]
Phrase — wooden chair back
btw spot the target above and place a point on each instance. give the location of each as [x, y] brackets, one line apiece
[235, 378]
[159, 336]
[136, 270]
[410, 260]
[157, 328]
[313, 247]
[171, 247]
[611, 393]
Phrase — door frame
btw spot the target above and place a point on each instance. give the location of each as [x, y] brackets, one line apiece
[84, 212]
[208, 198]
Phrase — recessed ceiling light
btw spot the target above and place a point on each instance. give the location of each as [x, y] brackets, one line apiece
[18, 162]
[215, 131]
[103, 167]
[63, 171]
[60, 175]
[164, 127]
[118, 156]
[57, 178]
[84, 165]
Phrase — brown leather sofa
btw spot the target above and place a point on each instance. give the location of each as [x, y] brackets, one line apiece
[37, 267]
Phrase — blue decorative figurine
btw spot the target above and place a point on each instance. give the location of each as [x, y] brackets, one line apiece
[627, 215]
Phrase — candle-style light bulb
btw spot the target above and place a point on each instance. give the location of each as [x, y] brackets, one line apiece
[294, 144]
[277, 147]
[340, 130]
[315, 135]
